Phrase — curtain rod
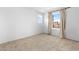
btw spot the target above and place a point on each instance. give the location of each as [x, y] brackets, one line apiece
[61, 9]
[67, 7]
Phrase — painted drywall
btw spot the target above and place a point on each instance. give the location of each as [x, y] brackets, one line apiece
[46, 23]
[16, 23]
[72, 23]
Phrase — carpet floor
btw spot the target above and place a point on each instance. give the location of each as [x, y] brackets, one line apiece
[41, 42]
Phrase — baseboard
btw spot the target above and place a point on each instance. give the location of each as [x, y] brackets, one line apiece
[1, 42]
[71, 39]
[19, 38]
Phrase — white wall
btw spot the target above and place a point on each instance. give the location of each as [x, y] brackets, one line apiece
[46, 23]
[16, 23]
[72, 23]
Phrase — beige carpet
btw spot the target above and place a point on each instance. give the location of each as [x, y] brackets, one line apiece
[41, 42]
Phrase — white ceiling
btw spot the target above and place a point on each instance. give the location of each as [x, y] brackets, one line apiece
[46, 9]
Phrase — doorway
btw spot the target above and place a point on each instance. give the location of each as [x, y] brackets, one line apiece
[55, 23]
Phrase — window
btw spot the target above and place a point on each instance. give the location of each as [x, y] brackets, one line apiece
[56, 19]
[40, 19]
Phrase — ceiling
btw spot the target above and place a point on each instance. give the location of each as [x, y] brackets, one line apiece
[46, 9]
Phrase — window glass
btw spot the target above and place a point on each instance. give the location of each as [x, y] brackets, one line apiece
[56, 16]
[56, 19]
[40, 19]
